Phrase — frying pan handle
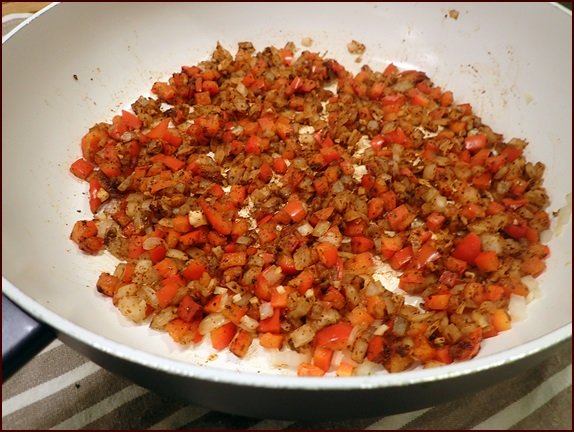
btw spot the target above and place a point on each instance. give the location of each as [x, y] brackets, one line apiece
[22, 337]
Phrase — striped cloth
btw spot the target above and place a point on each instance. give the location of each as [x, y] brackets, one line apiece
[60, 389]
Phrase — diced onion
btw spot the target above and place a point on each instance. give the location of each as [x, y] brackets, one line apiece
[533, 287]
[492, 242]
[367, 368]
[400, 326]
[273, 274]
[220, 290]
[429, 172]
[397, 151]
[288, 358]
[160, 320]
[176, 254]
[321, 228]
[305, 229]
[143, 266]
[440, 202]
[211, 322]
[152, 242]
[104, 225]
[331, 238]
[353, 335]
[241, 89]
[302, 335]
[265, 310]
[248, 323]
[338, 187]
[517, 307]
[381, 330]
[166, 222]
[244, 240]
[196, 218]
[374, 288]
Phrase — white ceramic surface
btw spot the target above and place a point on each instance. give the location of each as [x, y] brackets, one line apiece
[513, 62]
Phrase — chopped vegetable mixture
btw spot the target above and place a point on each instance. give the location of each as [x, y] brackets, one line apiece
[249, 203]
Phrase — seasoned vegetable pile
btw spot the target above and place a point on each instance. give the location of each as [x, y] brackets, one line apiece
[257, 198]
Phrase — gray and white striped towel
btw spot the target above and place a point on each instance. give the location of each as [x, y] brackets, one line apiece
[60, 389]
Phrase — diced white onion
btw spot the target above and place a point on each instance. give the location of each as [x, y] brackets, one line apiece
[273, 274]
[353, 336]
[166, 222]
[152, 242]
[533, 287]
[302, 335]
[305, 229]
[196, 218]
[288, 358]
[338, 357]
[480, 319]
[176, 254]
[374, 288]
[143, 266]
[397, 150]
[220, 290]
[248, 323]
[102, 194]
[237, 130]
[164, 316]
[517, 307]
[321, 228]
[265, 310]
[104, 225]
[332, 238]
[379, 331]
[244, 240]
[492, 242]
[241, 89]
[132, 307]
[338, 186]
[429, 171]
[367, 368]
[211, 322]
[400, 326]
[440, 202]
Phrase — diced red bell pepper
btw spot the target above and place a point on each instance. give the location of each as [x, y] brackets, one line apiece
[401, 257]
[188, 309]
[468, 248]
[295, 209]
[82, 168]
[334, 336]
[473, 143]
[131, 120]
[400, 218]
[487, 261]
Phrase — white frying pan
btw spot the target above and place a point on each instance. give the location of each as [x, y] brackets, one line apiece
[513, 62]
